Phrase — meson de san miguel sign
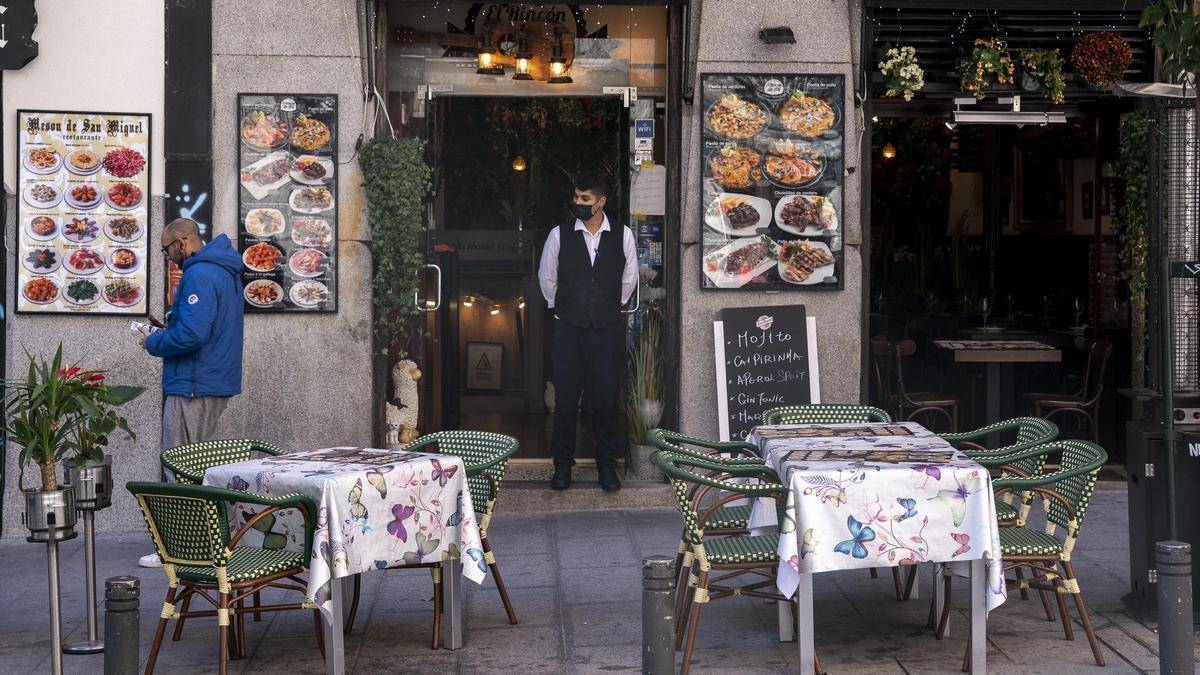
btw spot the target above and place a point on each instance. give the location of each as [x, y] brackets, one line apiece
[766, 357]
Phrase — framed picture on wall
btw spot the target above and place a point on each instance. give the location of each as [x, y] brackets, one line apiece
[485, 362]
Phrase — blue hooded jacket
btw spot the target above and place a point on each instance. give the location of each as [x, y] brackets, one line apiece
[202, 345]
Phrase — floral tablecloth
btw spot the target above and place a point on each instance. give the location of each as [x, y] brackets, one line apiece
[375, 509]
[879, 495]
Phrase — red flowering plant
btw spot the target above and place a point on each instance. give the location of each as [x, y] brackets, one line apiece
[1101, 58]
[988, 66]
[59, 411]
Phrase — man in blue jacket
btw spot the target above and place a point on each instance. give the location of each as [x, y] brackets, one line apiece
[201, 347]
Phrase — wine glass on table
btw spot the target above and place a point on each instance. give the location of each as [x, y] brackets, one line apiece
[985, 308]
[1077, 310]
[1011, 307]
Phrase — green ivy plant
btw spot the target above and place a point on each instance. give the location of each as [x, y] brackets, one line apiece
[1176, 33]
[1131, 167]
[397, 181]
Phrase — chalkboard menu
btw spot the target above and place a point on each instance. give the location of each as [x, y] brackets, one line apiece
[766, 357]
[772, 190]
[287, 203]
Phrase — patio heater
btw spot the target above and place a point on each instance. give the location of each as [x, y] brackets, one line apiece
[1164, 449]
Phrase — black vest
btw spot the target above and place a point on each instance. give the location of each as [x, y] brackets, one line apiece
[589, 294]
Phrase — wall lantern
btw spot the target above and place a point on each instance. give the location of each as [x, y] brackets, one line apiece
[523, 56]
[558, 62]
[779, 35]
[470, 301]
[519, 163]
[889, 151]
[487, 55]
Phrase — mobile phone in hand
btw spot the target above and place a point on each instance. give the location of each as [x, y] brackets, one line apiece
[137, 326]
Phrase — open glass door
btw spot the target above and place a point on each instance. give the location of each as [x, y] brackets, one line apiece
[505, 151]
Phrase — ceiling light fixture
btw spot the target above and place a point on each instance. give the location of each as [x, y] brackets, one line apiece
[495, 310]
[518, 163]
[889, 151]
[486, 54]
[558, 62]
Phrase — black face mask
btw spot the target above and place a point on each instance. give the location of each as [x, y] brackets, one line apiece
[582, 211]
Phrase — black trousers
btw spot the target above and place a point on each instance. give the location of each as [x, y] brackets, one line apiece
[587, 360]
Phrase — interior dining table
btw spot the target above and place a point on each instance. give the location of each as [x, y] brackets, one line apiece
[377, 509]
[1000, 355]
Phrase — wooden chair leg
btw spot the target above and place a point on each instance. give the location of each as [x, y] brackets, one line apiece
[349, 626]
[491, 558]
[239, 640]
[320, 625]
[436, 570]
[222, 634]
[159, 632]
[874, 573]
[187, 601]
[897, 584]
[684, 608]
[1046, 605]
[1073, 586]
[910, 581]
[1021, 582]
[256, 601]
[1068, 632]
[693, 624]
[944, 619]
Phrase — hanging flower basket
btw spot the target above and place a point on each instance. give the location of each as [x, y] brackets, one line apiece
[1101, 58]
[902, 75]
[989, 66]
[1041, 70]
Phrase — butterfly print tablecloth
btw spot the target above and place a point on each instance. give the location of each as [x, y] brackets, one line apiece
[879, 495]
[375, 509]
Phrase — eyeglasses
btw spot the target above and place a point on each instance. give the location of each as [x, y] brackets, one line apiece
[167, 248]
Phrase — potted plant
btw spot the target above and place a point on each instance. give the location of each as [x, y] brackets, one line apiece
[989, 66]
[902, 75]
[1041, 70]
[1101, 58]
[644, 405]
[56, 412]
[89, 472]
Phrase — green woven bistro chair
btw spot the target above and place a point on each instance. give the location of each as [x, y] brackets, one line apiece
[1066, 494]
[725, 519]
[485, 457]
[1013, 507]
[189, 462]
[825, 413]
[732, 558]
[190, 528]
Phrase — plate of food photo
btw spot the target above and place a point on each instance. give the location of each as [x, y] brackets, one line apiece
[123, 229]
[308, 293]
[264, 130]
[124, 196]
[42, 260]
[84, 261]
[308, 262]
[737, 215]
[82, 292]
[804, 262]
[736, 117]
[265, 222]
[312, 232]
[735, 167]
[83, 196]
[122, 293]
[42, 195]
[81, 230]
[263, 293]
[42, 160]
[309, 133]
[42, 228]
[310, 170]
[262, 257]
[808, 215]
[83, 162]
[40, 291]
[311, 200]
[735, 264]
[791, 164]
[808, 116]
[124, 260]
[266, 175]
[123, 162]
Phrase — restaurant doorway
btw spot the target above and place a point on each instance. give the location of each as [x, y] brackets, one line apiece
[514, 101]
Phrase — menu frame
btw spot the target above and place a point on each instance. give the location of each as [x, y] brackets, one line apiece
[282, 240]
[26, 211]
[767, 195]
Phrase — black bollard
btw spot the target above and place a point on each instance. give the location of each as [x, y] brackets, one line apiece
[658, 615]
[1176, 650]
[121, 653]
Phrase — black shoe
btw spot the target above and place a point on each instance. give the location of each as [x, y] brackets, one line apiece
[609, 482]
[562, 478]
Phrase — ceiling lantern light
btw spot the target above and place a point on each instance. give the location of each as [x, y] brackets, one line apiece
[487, 54]
[889, 151]
[519, 163]
[523, 57]
[558, 62]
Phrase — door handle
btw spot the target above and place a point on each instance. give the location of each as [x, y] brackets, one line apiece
[424, 307]
[637, 300]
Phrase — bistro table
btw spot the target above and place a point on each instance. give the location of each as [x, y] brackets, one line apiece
[375, 509]
[1000, 356]
[881, 495]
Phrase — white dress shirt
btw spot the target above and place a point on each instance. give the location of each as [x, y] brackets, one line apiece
[548, 270]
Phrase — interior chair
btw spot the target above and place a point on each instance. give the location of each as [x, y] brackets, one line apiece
[888, 358]
[718, 562]
[825, 413]
[1066, 493]
[1085, 401]
[190, 528]
[485, 457]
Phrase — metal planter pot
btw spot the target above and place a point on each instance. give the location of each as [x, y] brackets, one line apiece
[93, 483]
[44, 508]
[639, 462]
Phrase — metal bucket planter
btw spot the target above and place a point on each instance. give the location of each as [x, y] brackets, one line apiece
[93, 483]
[640, 466]
[50, 509]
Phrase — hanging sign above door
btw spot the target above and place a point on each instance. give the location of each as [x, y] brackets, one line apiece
[18, 19]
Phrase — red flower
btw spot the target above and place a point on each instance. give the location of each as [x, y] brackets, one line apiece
[96, 378]
[64, 373]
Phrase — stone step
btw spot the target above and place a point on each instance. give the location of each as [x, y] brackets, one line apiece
[527, 490]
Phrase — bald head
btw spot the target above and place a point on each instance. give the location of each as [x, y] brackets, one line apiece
[181, 239]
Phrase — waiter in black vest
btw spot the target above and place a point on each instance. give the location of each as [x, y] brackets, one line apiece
[588, 272]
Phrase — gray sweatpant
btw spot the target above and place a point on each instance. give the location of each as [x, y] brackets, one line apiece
[189, 420]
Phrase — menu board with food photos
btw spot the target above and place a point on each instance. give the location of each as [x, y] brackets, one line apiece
[287, 201]
[772, 203]
[83, 212]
